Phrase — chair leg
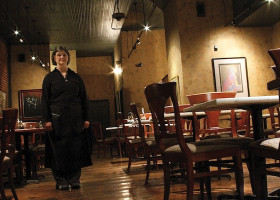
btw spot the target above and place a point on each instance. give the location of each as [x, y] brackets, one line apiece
[130, 157]
[2, 190]
[104, 150]
[190, 181]
[111, 150]
[148, 167]
[98, 150]
[166, 171]
[239, 176]
[11, 182]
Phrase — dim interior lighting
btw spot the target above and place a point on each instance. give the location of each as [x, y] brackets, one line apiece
[117, 70]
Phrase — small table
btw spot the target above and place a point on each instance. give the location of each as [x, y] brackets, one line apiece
[26, 132]
[254, 104]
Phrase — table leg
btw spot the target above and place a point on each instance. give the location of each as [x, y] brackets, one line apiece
[259, 134]
[27, 156]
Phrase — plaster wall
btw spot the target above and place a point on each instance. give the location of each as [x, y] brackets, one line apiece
[275, 35]
[198, 35]
[98, 78]
[25, 75]
[151, 52]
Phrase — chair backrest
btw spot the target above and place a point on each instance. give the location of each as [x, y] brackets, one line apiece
[97, 131]
[275, 120]
[8, 129]
[136, 116]
[157, 96]
[275, 55]
[186, 124]
[243, 123]
[212, 116]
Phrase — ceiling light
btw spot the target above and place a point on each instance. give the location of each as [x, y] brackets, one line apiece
[21, 40]
[117, 17]
[138, 41]
[146, 28]
[16, 32]
[33, 58]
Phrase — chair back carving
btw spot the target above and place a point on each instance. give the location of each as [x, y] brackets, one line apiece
[275, 55]
[157, 96]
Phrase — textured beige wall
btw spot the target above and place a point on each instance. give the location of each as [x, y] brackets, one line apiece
[25, 75]
[152, 54]
[275, 35]
[99, 79]
[198, 35]
[174, 47]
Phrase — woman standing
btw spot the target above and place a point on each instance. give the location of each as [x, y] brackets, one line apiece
[65, 115]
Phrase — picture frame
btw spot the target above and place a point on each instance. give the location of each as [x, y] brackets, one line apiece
[30, 105]
[230, 74]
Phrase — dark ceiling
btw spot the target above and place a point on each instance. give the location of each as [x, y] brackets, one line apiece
[257, 13]
[84, 25]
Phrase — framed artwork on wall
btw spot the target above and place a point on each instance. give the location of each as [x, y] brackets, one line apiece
[230, 75]
[30, 105]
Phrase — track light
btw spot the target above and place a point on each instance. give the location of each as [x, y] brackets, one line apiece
[146, 28]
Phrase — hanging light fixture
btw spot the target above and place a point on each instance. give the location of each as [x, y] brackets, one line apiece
[117, 17]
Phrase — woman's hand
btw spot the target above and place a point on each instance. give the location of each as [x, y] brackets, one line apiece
[86, 124]
[48, 126]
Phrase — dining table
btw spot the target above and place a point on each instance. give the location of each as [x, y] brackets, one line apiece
[26, 133]
[254, 104]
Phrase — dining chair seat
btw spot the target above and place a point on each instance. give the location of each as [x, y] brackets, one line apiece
[242, 142]
[195, 147]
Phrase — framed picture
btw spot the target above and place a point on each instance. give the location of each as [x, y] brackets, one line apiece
[30, 105]
[230, 74]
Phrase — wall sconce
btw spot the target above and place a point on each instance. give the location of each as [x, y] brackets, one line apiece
[117, 70]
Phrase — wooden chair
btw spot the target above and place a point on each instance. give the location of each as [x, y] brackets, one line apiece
[136, 141]
[212, 126]
[188, 153]
[8, 123]
[100, 140]
[151, 149]
[124, 133]
[275, 120]
[264, 149]
[186, 124]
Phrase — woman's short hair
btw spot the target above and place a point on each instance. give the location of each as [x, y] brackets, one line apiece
[57, 49]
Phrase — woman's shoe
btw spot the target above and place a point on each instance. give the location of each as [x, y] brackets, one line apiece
[62, 187]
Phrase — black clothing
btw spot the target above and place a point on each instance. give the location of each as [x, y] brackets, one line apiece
[65, 104]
